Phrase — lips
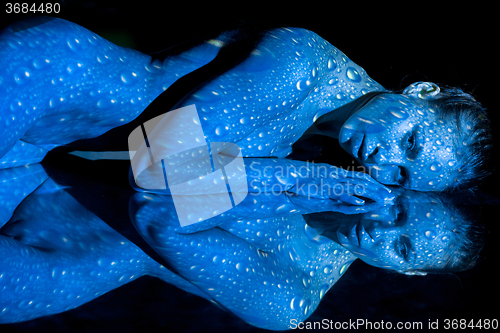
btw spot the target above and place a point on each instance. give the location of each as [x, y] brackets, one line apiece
[355, 235]
[356, 145]
[355, 240]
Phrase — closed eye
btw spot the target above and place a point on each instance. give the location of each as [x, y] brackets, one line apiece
[410, 141]
[403, 247]
[410, 145]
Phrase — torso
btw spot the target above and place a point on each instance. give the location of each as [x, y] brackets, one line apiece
[80, 86]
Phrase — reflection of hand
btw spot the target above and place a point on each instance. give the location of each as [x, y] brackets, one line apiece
[324, 181]
[316, 205]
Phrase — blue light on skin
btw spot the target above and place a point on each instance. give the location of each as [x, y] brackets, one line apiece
[261, 255]
[56, 255]
[401, 141]
[63, 83]
[412, 235]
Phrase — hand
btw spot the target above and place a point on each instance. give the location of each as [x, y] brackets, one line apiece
[315, 205]
[324, 181]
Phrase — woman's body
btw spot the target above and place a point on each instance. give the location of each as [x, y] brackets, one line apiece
[260, 90]
[85, 85]
[62, 83]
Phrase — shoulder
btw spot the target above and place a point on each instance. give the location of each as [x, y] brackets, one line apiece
[48, 31]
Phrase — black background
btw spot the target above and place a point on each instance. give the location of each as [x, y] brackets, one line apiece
[455, 46]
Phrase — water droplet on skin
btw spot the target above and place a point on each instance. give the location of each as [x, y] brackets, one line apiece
[322, 290]
[103, 59]
[451, 163]
[218, 259]
[315, 71]
[73, 43]
[208, 96]
[106, 102]
[302, 84]
[128, 77]
[333, 81]
[242, 268]
[56, 101]
[40, 63]
[316, 116]
[22, 75]
[332, 64]
[297, 303]
[73, 68]
[429, 234]
[106, 262]
[16, 105]
[436, 166]
[344, 268]
[398, 113]
[353, 75]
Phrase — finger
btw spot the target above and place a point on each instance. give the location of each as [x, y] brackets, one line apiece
[365, 177]
[376, 192]
[351, 209]
[347, 198]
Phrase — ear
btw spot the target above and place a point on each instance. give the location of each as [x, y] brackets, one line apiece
[422, 90]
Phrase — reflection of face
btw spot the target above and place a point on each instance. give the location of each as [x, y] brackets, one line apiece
[411, 235]
[401, 142]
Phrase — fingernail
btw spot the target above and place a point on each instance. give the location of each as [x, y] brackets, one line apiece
[389, 200]
[360, 201]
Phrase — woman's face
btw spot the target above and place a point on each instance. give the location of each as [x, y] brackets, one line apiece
[401, 141]
[411, 235]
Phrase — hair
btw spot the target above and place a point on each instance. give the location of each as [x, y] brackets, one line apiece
[474, 140]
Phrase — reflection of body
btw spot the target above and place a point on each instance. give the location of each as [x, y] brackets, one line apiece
[260, 260]
[265, 263]
[76, 85]
[57, 255]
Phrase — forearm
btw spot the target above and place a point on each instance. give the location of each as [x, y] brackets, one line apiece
[273, 175]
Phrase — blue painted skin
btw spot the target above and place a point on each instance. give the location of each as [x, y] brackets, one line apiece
[403, 142]
[60, 83]
[57, 257]
[260, 260]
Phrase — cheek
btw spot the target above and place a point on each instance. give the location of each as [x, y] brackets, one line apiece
[364, 124]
